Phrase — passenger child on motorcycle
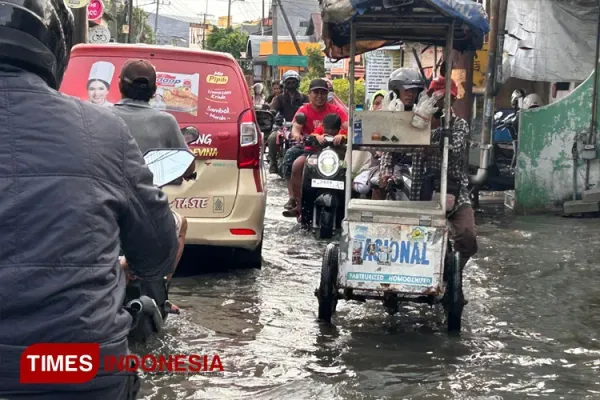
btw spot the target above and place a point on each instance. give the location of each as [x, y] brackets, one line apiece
[331, 126]
[426, 167]
[314, 112]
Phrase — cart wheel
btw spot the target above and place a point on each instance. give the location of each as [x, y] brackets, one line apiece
[454, 298]
[327, 292]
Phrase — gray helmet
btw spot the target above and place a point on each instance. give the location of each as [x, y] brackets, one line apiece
[532, 101]
[405, 78]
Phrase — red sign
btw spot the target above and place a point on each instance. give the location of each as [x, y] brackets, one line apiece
[95, 10]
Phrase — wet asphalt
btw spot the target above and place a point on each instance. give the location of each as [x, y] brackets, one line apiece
[530, 328]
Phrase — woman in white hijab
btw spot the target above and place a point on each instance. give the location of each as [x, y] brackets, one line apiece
[258, 95]
[364, 165]
[98, 84]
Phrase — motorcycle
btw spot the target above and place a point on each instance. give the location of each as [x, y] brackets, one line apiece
[323, 183]
[502, 161]
[147, 300]
[283, 130]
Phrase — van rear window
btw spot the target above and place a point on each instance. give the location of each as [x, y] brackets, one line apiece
[193, 92]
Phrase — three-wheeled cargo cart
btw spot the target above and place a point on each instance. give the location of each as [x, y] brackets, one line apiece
[396, 251]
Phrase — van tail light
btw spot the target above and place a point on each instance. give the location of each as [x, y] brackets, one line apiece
[250, 147]
[249, 153]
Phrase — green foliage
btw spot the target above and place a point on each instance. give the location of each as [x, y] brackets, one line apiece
[304, 83]
[341, 86]
[316, 63]
[227, 40]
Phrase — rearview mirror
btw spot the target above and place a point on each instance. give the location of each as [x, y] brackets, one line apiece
[265, 120]
[190, 133]
[168, 165]
[300, 118]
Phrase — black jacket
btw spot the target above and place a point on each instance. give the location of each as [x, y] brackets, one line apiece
[74, 187]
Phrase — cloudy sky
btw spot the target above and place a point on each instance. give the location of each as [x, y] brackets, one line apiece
[240, 10]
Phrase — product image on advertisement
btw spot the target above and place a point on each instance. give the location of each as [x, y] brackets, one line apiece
[176, 92]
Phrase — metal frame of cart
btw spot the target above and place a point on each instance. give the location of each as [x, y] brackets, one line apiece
[397, 250]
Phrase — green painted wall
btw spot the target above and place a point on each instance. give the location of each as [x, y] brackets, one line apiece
[544, 179]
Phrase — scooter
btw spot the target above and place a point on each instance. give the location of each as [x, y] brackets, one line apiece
[323, 183]
[147, 300]
[282, 129]
[502, 162]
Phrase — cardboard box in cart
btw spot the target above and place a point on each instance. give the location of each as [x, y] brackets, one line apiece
[388, 128]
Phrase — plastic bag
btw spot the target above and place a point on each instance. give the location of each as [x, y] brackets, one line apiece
[391, 102]
[423, 111]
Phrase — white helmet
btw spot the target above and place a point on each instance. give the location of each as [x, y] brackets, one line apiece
[532, 101]
[291, 74]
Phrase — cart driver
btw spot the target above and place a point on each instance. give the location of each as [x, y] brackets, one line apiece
[426, 167]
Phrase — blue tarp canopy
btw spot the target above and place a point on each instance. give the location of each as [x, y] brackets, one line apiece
[384, 22]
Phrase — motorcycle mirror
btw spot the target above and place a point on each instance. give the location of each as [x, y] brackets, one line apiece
[190, 133]
[265, 120]
[168, 165]
[300, 118]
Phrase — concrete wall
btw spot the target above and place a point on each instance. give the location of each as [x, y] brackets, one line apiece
[546, 136]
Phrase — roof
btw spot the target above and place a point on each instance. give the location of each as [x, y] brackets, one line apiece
[254, 41]
[146, 51]
[315, 26]
[298, 12]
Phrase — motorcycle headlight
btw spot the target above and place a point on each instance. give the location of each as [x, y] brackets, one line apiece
[328, 163]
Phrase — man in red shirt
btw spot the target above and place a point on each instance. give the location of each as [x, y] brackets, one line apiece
[314, 112]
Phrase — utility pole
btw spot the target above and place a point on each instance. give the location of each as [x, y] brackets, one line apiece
[204, 27]
[262, 21]
[229, 12]
[488, 105]
[275, 36]
[114, 33]
[130, 19]
[156, 22]
[81, 24]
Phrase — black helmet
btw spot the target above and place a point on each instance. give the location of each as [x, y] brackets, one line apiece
[405, 78]
[37, 35]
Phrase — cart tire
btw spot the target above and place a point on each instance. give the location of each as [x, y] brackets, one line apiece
[326, 224]
[327, 293]
[454, 294]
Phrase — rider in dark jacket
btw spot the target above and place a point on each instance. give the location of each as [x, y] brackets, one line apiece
[74, 190]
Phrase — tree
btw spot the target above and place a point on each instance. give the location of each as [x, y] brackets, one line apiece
[316, 63]
[341, 86]
[227, 40]
[141, 32]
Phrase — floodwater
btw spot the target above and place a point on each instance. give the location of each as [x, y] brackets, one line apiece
[530, 328]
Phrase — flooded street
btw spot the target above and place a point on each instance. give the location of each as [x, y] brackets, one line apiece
[530, 328]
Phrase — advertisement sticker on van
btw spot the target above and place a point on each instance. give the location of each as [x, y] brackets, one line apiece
[176, 92]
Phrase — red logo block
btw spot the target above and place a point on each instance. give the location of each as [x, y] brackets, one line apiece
[65, 363]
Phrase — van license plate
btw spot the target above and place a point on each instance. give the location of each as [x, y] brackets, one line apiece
[327, 184]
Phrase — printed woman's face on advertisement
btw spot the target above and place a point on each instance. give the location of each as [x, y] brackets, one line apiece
[97, 92]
